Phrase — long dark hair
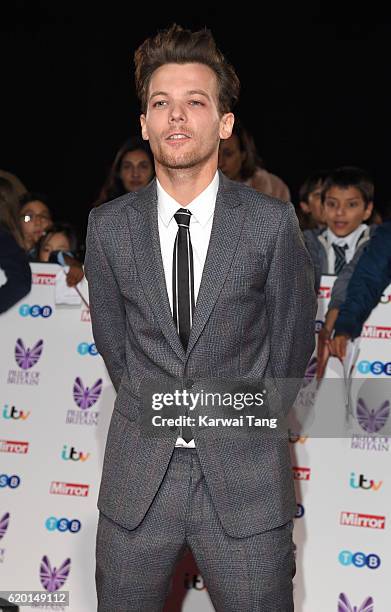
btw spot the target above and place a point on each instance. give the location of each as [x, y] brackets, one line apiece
[251, 160]
[9, 210]
[113, 186]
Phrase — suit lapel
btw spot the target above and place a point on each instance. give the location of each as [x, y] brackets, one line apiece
[226, 229]
[144, 233]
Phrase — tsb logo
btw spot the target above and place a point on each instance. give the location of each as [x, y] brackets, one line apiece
[359, 559]
[374, 367]
[25, 310]
[87, 349]
[9, 481]
[62, 524]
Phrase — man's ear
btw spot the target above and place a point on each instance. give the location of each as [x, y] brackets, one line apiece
[144, 131]
[305, 208]
[226, 125]
[368, 211]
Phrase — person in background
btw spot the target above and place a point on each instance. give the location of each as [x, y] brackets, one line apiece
[369, 279]
[347, 200]
[310, 211]
[239, 161]
[59, 245]
[13, 259]
[132, 169]
[60, 237]
[35, 218]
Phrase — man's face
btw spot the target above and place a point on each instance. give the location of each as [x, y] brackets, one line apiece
[182, 122]
[345, 210]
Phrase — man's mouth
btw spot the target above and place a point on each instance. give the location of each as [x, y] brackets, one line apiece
[178, 136]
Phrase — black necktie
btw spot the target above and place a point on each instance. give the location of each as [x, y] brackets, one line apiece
[340, 257]
[183, 286]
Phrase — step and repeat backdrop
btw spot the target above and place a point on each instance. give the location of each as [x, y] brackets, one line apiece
[56, 401]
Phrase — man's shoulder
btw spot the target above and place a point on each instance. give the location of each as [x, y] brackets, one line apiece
[113, 208]
[259, 203]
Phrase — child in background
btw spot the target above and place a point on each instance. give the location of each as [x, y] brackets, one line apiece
[59, 245]
[310, 211]
[347, 201]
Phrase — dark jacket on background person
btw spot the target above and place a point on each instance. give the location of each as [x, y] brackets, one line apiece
[14, 263]
[370, 278]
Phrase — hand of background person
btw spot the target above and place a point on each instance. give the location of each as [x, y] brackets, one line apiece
[323, 352]
[75, 275]
[338, 345]
[324, 342]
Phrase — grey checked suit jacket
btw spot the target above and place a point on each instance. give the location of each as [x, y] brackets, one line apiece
[254, 317]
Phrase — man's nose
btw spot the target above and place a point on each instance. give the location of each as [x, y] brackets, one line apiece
[178, 113]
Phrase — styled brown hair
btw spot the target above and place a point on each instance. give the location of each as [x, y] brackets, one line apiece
[179, 46]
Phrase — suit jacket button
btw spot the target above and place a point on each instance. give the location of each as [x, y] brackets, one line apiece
[189, 384]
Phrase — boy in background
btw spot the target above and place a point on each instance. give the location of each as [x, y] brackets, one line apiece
[347, 202]
[310, 211]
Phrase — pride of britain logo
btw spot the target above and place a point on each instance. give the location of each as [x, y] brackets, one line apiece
[84, 397]
[26, 358]
[52, 579]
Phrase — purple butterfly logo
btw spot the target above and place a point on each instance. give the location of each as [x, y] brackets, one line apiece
[4, 524]
[25, 357]
[84, 396]
[53, 579]
[344, 605]
[310, 371]
[372, 420]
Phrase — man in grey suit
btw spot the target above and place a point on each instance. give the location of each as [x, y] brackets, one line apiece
[193, 279]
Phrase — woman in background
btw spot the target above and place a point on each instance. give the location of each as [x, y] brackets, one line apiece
[133, 168]
[13, 259]
[239, 161]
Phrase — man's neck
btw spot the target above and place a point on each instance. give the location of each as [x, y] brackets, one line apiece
[186, 184]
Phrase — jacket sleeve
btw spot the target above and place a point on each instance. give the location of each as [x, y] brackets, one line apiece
[291, 308]
[369, 279]
[106, 305]
[14, 263]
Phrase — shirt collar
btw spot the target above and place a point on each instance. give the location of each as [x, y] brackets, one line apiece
[350, 239]
[201, 208]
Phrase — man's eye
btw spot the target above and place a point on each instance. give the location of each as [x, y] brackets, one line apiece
[159, 103]
[195, 103]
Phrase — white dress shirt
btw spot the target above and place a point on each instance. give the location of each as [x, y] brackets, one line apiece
[201, 220]
[351, 241]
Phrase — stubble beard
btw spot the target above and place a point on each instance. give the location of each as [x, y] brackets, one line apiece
[182, 161]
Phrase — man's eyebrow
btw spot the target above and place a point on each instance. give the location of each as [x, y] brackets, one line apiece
[191, 92]
[158, 93]
[199, 92]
